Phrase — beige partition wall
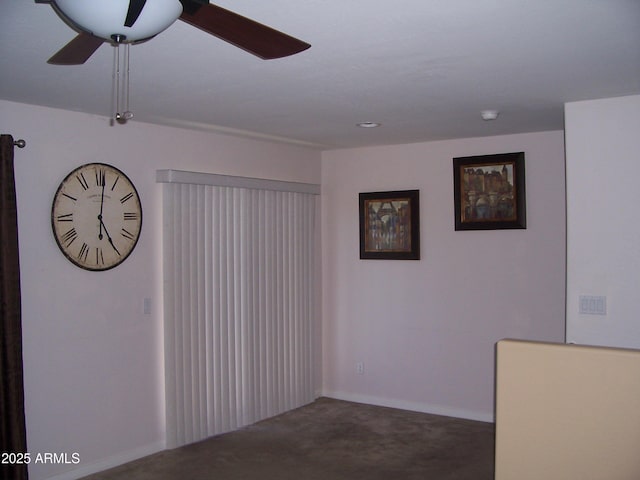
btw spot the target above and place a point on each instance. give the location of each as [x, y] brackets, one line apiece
[567, 412]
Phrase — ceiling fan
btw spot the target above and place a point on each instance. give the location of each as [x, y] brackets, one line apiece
[134, 21]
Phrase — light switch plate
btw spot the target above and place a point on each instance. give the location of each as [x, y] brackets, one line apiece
[146, 306]
[592, 305]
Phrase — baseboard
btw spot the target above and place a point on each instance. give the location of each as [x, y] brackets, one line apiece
[412, 406]
[114, 461]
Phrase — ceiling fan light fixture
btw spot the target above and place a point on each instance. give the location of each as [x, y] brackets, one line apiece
[106, 18]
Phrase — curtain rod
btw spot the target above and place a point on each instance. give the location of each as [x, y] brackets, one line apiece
[20, 143]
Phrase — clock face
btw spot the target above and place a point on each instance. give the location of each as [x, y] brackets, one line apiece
[96, 216]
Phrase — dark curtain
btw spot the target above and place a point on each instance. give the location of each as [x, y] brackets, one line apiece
[13, 438]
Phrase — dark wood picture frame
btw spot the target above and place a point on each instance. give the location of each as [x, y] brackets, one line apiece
[489, 192]
[390, 225]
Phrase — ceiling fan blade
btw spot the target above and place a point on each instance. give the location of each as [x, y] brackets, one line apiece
[135, 8]
[77, 51]
[254, 37]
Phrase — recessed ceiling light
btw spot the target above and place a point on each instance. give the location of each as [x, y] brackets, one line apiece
[489, 114]
[368, 124]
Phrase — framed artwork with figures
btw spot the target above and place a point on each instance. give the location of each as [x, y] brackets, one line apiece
[489, 192]
[390, 225]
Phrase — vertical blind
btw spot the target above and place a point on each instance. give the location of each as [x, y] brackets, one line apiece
[238, 301]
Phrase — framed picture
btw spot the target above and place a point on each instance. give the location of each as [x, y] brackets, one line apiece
[390, 225]
[489, 192]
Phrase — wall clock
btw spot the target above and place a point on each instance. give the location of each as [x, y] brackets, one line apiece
[96, 216]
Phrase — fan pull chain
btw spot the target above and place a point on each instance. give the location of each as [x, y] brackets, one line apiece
[121, 84]
[128, 114]
[115, 81]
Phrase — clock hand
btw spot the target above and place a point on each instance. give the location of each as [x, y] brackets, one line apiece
[107, 233]
[100, 224]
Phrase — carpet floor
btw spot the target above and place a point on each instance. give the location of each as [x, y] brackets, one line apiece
[330, 440]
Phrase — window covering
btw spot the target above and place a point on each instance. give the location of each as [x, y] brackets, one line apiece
[239, 306]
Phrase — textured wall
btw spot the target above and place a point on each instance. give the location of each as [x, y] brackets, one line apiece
[93, 360]
[425, 330]
[603, 257]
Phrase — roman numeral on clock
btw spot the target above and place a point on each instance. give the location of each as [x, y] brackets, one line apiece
[83, 181]
[69, 236]
[130, 216]
[67, 217]
[126, 197]
[100, 177]
[126, 234]
[84, 251]
[99, 256]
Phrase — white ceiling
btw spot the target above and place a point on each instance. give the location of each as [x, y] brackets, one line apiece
[423, 68]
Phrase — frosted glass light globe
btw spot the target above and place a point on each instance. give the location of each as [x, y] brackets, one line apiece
[105, 18]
